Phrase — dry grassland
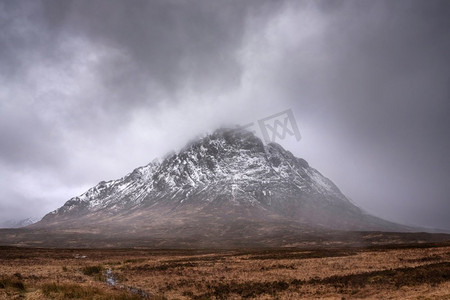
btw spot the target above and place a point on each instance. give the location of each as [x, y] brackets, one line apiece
[395, 272]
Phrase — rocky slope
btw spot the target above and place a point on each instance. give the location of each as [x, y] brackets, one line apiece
[224, 188]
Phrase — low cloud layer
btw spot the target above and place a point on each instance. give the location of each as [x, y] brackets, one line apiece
[91, 90]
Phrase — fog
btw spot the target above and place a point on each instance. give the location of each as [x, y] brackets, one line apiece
[92, 90]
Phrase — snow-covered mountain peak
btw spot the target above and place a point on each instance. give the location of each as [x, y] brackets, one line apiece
[230, 170]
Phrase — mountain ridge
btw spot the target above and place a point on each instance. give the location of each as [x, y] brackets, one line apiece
[223, 177]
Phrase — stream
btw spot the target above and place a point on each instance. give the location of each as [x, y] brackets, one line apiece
[111, 280]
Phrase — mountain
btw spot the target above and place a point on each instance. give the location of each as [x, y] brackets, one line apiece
[18, 223]
[225, 185]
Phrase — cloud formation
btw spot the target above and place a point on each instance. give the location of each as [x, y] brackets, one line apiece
[91, 90]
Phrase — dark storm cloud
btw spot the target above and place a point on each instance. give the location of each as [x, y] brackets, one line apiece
[145, 49]
[167, 44]
[83, 81]
[91, 89]
[383, 96]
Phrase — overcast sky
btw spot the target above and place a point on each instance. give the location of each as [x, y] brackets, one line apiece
[91, 90]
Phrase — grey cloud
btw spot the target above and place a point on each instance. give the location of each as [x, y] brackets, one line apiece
[167, 43]
[26, 141]
[385, 95]
[90, 90]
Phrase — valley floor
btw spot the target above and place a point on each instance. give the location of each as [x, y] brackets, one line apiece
[420, 271]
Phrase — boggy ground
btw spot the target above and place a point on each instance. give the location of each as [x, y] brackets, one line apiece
[420, 271]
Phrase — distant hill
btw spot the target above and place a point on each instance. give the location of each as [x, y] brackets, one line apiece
[18, 223]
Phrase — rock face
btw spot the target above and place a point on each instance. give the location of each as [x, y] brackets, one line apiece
[226, 183]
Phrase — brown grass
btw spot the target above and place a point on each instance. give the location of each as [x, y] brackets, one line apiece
[412, 272]
[74, 291]
[12, 282]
